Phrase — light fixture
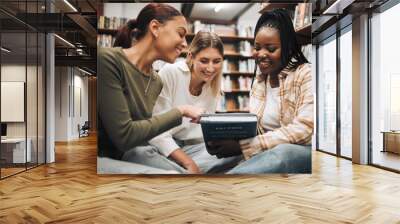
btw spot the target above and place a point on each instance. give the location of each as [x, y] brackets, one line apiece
[65, 41]
[5, 49]
[70, 5]
[218, 7]
[84, 71]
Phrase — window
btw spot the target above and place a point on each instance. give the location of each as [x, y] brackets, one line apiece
[385, 88]
[326, 82]
[346, 75]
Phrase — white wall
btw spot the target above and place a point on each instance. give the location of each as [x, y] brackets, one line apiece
[70, 83]
[12, 73]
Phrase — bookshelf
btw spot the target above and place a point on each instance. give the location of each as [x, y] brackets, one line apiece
[302, 17]
[238, 68]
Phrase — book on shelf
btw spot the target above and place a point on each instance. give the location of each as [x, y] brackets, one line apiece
[112, 23]
[228, 126]
[245, 48]
[245, 31]
[222, 30]
[233, 103]
[244, 83]
[246, 66]
[105, 40]
[302, 15]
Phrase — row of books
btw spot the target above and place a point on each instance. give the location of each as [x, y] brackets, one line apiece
[105, 40]
[223, 30]
[245, 48]
[302, 15]
[233, 103]
[105, 22]
[244, 66]
[242, 83]
[247, 65]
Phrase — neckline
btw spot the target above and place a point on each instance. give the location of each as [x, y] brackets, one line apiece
[125, 57]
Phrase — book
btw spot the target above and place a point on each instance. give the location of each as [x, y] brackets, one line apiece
[228, 126]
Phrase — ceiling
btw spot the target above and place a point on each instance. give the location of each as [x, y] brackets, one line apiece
[73, 20]
[227, 11]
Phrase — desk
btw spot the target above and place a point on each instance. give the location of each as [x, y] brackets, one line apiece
[13, 150]
[391, 141]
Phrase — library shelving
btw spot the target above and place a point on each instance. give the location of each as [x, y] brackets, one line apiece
[237, 58]
[301, 15]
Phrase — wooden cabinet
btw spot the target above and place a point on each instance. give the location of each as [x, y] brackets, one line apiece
[391, 141]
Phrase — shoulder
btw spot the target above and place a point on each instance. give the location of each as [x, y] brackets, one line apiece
[304, 71]
[107, 54]
[170, 73]
[176, 68]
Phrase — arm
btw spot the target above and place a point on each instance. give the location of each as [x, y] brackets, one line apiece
[299, 131]
[165, 142]
[124, 132]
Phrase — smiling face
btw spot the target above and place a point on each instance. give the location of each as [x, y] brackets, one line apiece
[207, 64]
[171, 38]
[267, 50]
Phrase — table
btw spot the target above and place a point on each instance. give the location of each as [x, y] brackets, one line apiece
[391, 141]
[13, 150]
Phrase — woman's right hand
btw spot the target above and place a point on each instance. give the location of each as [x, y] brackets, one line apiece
[191, 112]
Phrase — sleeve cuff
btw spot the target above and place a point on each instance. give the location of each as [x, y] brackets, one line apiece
[252, 146]
[165, 145]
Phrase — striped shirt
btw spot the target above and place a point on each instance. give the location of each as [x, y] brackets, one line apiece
[296, 115]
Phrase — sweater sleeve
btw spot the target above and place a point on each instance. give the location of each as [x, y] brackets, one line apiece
[299, 131]
[165, 142]
[123, 130]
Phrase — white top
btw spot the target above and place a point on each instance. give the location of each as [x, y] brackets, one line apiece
[175, 92]
[270, 120]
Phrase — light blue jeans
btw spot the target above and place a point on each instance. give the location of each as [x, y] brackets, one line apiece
[283, 158]
[150, 156]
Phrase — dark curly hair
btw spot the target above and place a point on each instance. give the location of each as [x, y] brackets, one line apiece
[136, 29]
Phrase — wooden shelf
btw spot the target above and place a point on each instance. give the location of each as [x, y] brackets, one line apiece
[304, 31]
[304, 35]
[228, 55]
[190, 37]
[236, 56]
[239, 74]
[107, 31]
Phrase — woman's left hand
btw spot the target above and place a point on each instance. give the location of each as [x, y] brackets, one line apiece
[224, 148]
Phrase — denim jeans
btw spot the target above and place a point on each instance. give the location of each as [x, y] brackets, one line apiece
[283, 158]
[208, 163]
[150, 156]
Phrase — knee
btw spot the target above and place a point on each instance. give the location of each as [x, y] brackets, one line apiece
[291, 151]
[140, 153]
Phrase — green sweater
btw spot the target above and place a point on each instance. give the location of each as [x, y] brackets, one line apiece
[124, 109]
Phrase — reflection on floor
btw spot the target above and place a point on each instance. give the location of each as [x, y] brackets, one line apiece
[386, 159]
[10, 169]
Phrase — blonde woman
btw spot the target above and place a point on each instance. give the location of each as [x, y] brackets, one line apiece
[195, 82]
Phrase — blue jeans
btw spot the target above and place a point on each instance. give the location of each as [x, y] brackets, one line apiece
[283, 158]
[150, 157]
[208, 163]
